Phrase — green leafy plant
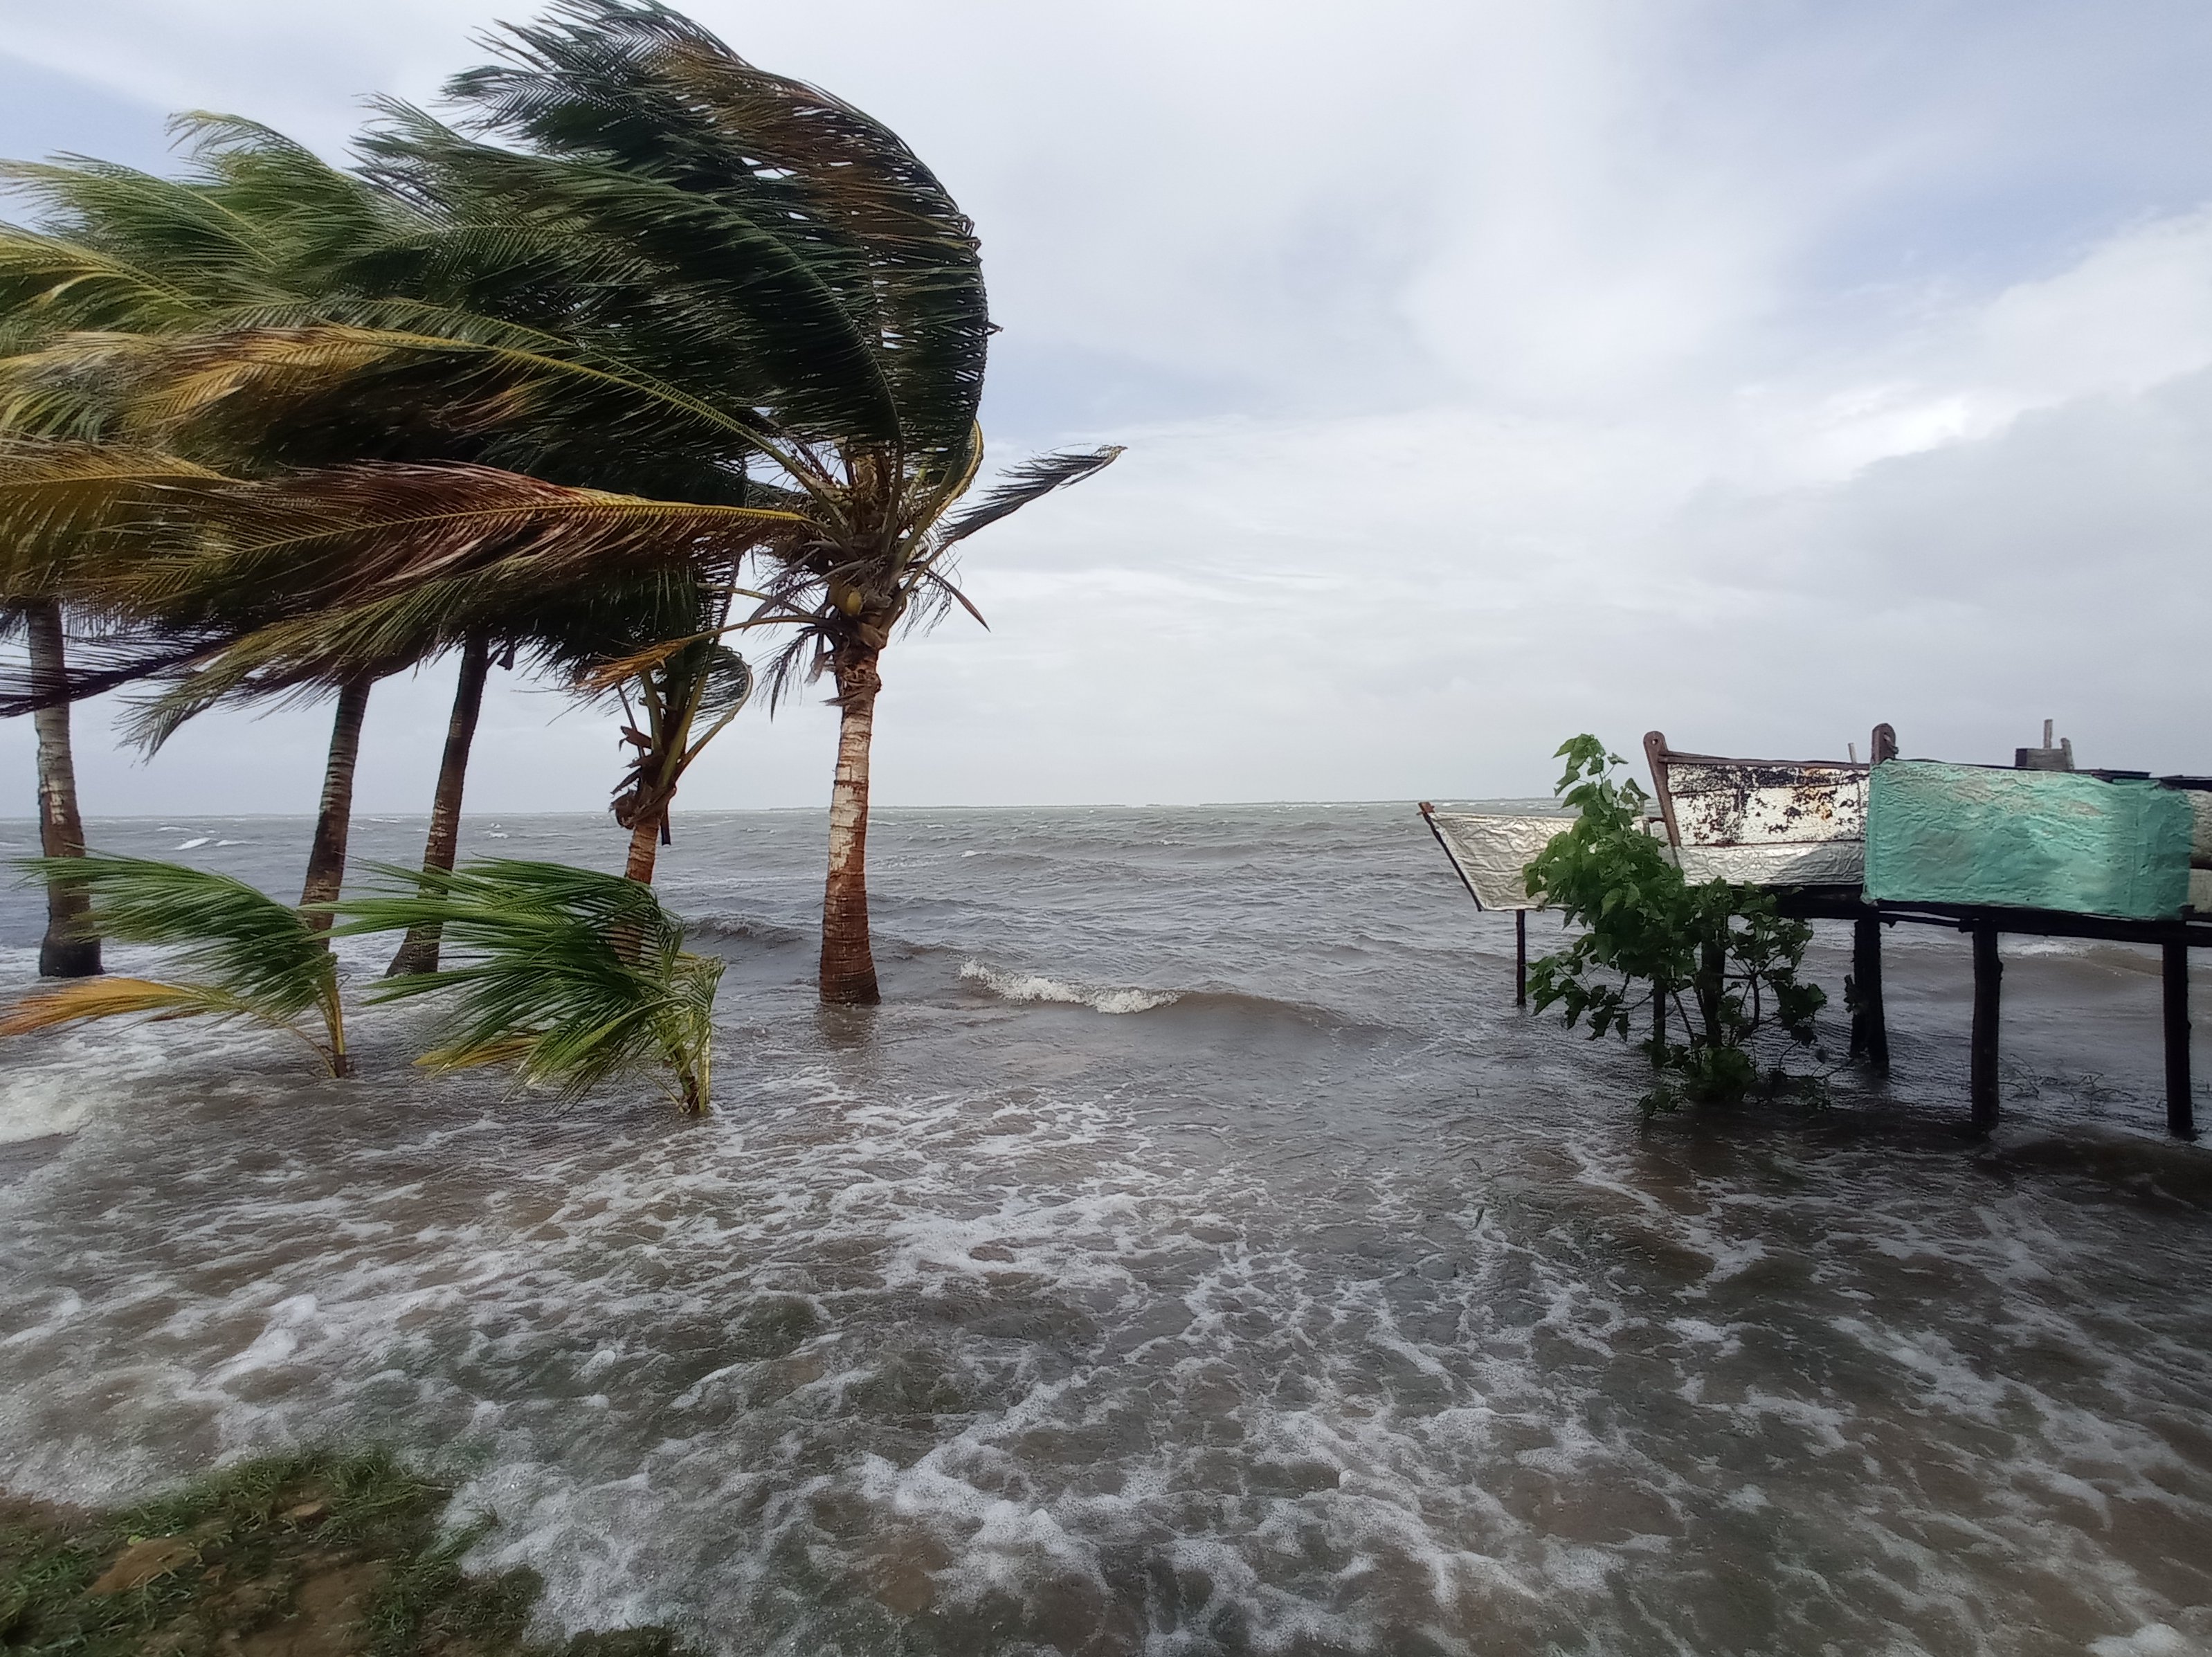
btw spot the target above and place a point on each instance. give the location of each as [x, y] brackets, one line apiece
[1713, 960]
[569, 975]
[247, 955]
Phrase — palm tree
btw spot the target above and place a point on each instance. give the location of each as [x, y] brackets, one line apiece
[66, 950]
[689, 313]
[53, 515]
[124, 258]
[418, 950]
[249, 956]
[749, 280]
[269, 384]
[844, 599]
[845, 265]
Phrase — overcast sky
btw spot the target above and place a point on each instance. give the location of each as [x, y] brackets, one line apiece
[1755, 370]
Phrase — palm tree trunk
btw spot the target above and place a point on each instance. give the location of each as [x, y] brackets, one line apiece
[326, 859]
[645, 845]
[67, 950]
[848, 966]
[418, 950]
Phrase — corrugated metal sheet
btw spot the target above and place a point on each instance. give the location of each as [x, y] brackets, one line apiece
[2030, 839]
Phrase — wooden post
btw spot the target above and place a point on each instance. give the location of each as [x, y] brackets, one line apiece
[2181, 1108]
[1988, 970]
[1869, 1022]
[1520, 957]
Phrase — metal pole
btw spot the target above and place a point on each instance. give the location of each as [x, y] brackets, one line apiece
[1520, 957]
[1988, 971]
[2181, 1108]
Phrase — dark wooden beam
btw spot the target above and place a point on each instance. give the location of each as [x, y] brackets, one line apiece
[1983, 1067]
[2180, 1105]
[1520, 957]
[1869, 1019]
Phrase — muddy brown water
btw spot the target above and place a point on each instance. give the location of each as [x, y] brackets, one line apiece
[1195, 1254]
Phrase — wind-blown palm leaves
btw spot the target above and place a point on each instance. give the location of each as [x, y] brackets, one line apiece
[245, 955]
[569, 975]
[644, 314]
[827, 284]
[123, 265]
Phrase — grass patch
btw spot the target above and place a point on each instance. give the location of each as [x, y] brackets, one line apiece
[313, 1555]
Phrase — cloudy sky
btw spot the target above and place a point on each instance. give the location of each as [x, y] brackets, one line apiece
[1755, 370]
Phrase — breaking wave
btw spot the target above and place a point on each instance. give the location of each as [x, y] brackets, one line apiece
[1035, 987]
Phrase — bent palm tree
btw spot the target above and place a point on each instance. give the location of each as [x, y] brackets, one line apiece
[51, 515]
[418, 950]
[823, 242]
[124, 259]
[682, 303]
[569, 975]
[252, 956]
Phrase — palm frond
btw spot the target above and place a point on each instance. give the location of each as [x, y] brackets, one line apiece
[252, 956]
[644, 93]
[341, 535]
[570, 975]
[49, 1007]
[236, 934]
[1028, 481]
[59, 500]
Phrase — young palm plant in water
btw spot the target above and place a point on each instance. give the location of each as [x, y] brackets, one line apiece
[242, 954]
[571, 976]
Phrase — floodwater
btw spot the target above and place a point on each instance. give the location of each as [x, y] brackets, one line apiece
[1197, 1253]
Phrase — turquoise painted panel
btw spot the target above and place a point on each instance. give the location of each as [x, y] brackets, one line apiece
[2028, 839]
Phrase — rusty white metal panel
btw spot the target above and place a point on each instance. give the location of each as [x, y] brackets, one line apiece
[1754, 804]
[2200, 891]
[2200, 838]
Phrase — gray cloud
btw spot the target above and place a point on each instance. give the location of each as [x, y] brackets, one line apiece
[1490, 373]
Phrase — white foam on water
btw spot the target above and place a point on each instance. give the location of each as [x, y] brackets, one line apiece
[2153, 1640]
[1033, 986]
[1177, 1338]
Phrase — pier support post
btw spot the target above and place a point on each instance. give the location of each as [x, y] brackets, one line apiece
[2181, 1108]
[1520, 957]
[1869, 1022]
[1988, 970]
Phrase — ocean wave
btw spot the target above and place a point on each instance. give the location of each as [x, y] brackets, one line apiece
[1035, 987]
[725, 924]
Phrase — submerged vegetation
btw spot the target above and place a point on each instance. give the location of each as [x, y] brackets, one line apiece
[1712, 960]
[244, 955]
[570, 976]
[312, 1555]
[644, 349]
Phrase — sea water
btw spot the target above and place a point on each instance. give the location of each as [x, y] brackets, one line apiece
[1196, 1253]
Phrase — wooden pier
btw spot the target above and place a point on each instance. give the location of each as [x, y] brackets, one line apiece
[1798, 829]
[1984, 925]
